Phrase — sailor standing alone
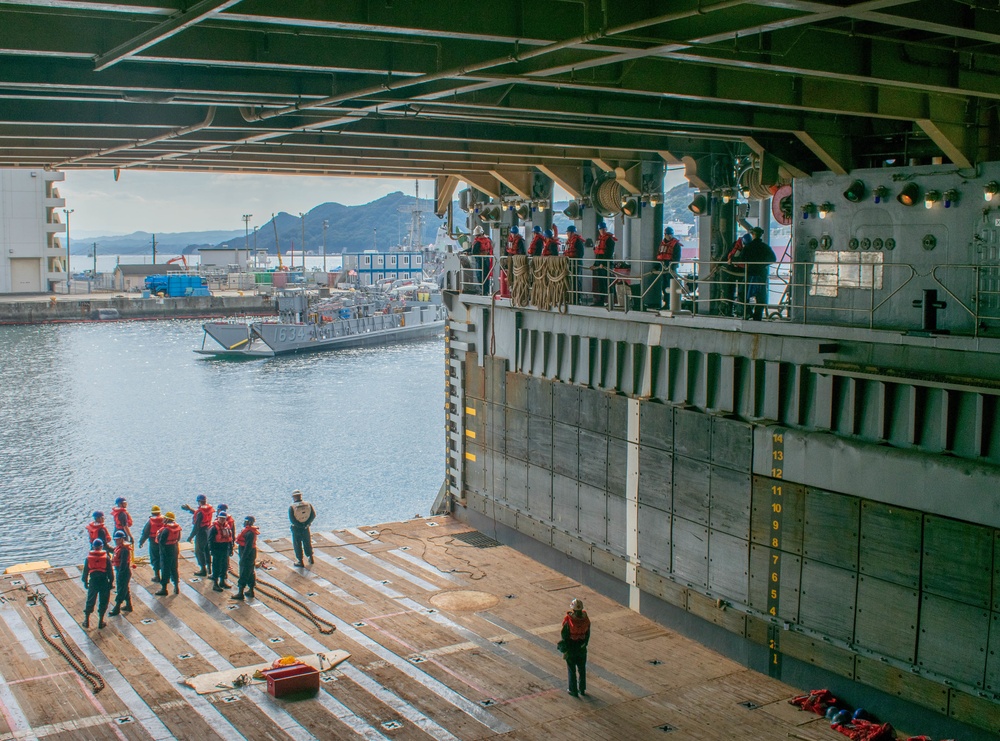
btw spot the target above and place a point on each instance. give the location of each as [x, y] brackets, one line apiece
[301, 515]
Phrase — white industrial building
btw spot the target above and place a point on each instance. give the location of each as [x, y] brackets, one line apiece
[32, 255]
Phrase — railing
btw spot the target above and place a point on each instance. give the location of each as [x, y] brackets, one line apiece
[858, 289]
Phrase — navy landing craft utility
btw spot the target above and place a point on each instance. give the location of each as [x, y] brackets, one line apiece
[331, 325]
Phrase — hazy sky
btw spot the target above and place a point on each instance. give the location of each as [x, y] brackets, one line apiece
[161, 202]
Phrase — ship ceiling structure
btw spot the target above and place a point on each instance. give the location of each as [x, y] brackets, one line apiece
[493, 93]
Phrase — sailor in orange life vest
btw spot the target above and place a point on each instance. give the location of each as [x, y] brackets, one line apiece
[301, 515]
[537, 242]
[201, 521]
[574, 251]
[575, 637]
[515, 242]
[550, 246]
[482, 251]
[247, 541]
[220, 540]
[149, 532]
[168, 538]
[98, 578]
[121, 519]
[122, 563]
[97, 530]
[604, 253]
[669, 254]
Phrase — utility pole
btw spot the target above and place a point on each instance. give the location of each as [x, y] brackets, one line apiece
[255, 261]
[325, 225]
[67, 211]
[302, 218]
[246, 238]
[375, 238]
[94, 274]
[154, 249]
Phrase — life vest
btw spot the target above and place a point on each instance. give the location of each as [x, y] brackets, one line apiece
[605, 246]
[669, 250]
[301, 512]
[737, 251]
[173, 533]
[248, 537]
[156, 523]
[515, 244]
[535, 248]
[483, 245]
[223, 530]
[207, 514]
[121, 518]
[97, 530]
[574, 245]
[551, 248]
[98, 561]
[123, 550]
[578, 626]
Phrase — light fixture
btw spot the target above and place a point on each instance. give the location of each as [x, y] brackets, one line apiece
[655, 199]
[909, 195]
[727, 195]
[931, 197]
[991, 189]
[746, 193]
[490, 213]
[824, 209]
[950, 197]
[630, 206]
[699, 206]
[855, 191]
[542, 205]
[522, 211]
[572, 210]
[880, 193]
[808, 209]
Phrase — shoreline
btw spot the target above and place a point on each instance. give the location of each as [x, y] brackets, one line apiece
[53, 309]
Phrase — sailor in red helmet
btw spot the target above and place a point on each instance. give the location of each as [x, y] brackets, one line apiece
[150, 530]
[574, 251]
[122, 563]
[97, 530]
[221, 539]
[537, 241]
[575, 638]
[247, 541]
[604, 253]
[669, 255]
[98, 578]
[121, 519]
[201, 521]
[169, 537]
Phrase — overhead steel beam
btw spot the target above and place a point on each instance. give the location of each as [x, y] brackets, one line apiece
[519, 181]
[833, 151]
[484, 183]
[444, 192]
[569, 179]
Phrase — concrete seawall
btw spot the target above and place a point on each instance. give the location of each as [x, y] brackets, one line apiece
[45, 308]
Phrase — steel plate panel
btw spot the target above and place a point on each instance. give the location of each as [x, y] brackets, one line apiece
[618, 416]
[495, 484]
[496, 379]
[594, 410]
[953, 639]
[732, 444]
[565, 449]
[655, 477]
[957, 559]
[690, 552]
[571, 545]
[540, 492]
[474, 473]
[474, 377]
[789, 579]
[654, 538]
[593, 459]
[617, 466]
[832, 528]
[827, 598]
[815, 651]
[693, 434]
[540, 396]
[792, 515]
[608, 562]
[656, 425]
[890, 543]
[565, 503]
[996, 570]
[517, 434]
[535, 529]
[516, 489]
[566, 404]
[617, 521]
[666, 589]
[886, 619]
[593, 514]
[728, 566]
[730, 497]
[540, 441]
[476, 422]
[691, 489]
[902, 684]
[517, 391]
[496, 422]
[993, 657]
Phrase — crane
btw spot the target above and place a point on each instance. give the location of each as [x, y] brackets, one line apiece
[277, 247]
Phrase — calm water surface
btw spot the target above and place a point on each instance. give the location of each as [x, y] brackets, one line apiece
[90, 412]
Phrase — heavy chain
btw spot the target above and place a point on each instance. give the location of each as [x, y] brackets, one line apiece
[65, 650]
[323, 626]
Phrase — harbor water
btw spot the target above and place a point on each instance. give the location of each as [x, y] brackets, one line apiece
[93, 411]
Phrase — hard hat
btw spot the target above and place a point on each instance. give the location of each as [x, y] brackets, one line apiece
[98, 515]
[668, 230]
[119, 501]
[249, 520]
[155, 510]
[842, 718]
[477, 231]
[297, 493]
[601, 225]
[576, 605]
[548, 232]
[119, 534]
[571, 228]
[169, 516]
[536, 229]
[201, 498]
[222, 507]
[513, 230]
[831, 712]
[97, 544]
[757, 230]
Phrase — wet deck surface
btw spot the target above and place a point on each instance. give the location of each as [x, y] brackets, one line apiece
[447, 641]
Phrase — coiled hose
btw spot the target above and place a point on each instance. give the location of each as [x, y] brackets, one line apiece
[520, 283]
[550, 283]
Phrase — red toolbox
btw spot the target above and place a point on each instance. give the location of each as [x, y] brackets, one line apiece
[288, 679]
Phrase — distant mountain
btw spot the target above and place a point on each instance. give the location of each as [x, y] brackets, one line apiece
[141, 243]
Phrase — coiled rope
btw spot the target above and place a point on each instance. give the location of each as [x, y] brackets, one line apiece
[323, 626]
[550, 283]
[520, 284]
[65, 649]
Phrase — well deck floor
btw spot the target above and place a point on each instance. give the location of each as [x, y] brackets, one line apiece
[447, 640]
